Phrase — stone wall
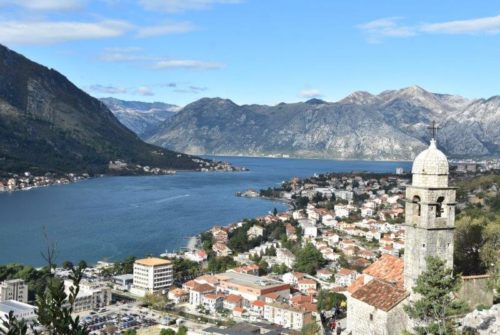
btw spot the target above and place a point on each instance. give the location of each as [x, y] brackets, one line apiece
[365, 319]
[475, 291]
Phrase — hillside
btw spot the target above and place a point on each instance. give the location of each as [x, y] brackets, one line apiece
[391, 125]
[49, 124]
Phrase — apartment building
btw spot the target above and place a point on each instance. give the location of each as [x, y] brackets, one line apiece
[152, 275]
[15, 289]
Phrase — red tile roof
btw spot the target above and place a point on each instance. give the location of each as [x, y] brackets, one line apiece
[360, 281]
[380, 294]
[233, 298]
[389, 268]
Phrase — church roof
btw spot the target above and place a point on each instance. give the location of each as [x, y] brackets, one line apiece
[380, 294]
[431, 161]
[389, 268]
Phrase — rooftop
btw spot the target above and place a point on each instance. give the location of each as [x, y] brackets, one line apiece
[248, 280]
[15, 306]
[380, 294]
[152, 261]
[389, 268]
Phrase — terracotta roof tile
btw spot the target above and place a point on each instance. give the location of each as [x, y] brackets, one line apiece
[380, 294]
[389, 268]
[360, 281]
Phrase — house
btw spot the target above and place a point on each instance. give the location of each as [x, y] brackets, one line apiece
[232, 301]
[252, 269]
[287, 316]
[341, 211]
[212, 301]
[221, 249]
[324, 274]
[292, 278]
[257, 307]
[255, 232]
[178, 295]
[238, 311]
[219, 235]
[310, 231]
[345, 277]
[285, 256]
[291, 232]
[304, 285]
[197, 256]
[198, 291]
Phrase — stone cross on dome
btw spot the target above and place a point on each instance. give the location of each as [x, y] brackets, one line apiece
[433, 128]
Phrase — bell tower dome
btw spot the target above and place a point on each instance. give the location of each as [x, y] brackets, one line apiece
[429, 213]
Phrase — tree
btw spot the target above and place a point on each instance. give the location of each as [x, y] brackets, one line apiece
[182, 330]
[167, 331]
[130, 332]
[329, 299]
[436, 303]
[54, 308]
[310, 329]
[275, 211]
[309, 259]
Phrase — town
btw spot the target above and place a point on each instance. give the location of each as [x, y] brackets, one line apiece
[333, 262]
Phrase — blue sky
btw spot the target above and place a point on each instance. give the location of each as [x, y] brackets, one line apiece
[260, 51]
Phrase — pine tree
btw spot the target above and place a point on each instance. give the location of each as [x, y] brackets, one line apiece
[435, 288]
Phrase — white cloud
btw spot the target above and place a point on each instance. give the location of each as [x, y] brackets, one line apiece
[310, 93]
[46, 32]
[390, 27]
[44, 5]
[144, 91]
[173, 6]
[385, 27]
[123, 55]
[488, 25]
[186, 64]
[103, 89]
[165, 29]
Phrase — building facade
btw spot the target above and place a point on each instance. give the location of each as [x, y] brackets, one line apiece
[152, 275]
[430, 214]
[15, 289]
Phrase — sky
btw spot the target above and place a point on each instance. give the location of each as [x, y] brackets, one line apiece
[260, 51]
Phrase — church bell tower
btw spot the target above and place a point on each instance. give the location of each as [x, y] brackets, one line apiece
[430, 213]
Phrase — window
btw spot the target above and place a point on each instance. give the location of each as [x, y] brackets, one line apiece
[439, 208]
[416, 205]
[371, 317]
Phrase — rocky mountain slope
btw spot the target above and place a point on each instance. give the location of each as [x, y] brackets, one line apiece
[391, 125]
[49, 124]
[143, 118]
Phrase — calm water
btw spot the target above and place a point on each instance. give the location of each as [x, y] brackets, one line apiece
[114, 217]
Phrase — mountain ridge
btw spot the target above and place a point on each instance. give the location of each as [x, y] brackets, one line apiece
[387, 126]
[48, 124]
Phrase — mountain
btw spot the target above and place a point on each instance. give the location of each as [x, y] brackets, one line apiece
[389, 126]
[142, 118]
[49, 124]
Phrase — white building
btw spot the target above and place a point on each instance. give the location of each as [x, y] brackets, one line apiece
[123, 282]
[287, 316]
[21, 311]
[152, 275]
[90, 296]
[14, 289]
[285, 256]
[310, 231]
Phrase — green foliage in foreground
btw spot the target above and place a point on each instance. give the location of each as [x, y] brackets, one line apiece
[436, 287]
[329, 299]
[54, 309]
